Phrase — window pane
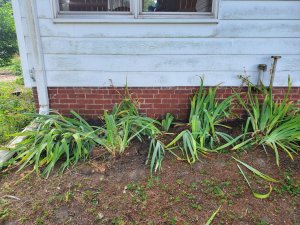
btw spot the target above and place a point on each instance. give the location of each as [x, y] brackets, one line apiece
[177, 5]
[95, 5]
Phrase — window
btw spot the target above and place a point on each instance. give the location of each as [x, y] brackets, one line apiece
[95, 5]
[140, 8]
[177, 5]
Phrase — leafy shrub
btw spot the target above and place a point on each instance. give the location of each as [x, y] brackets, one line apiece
[55, 137]
[8, 39]
[273, 124]
[12, 109]
[16, 67]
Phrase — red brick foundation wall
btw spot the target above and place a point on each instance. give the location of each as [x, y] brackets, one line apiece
[153, 102]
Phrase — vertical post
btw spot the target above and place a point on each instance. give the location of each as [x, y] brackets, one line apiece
[273, 70]
[38, 56]
[261, 68]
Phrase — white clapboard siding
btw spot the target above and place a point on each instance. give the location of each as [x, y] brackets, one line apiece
[259, 10]
[174, 46]
[225, 28]
[43, 6]
[96, 53]
[164, 63]
[157, 79]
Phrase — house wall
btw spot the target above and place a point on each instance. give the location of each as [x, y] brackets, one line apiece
[152, 101]
[95, 54]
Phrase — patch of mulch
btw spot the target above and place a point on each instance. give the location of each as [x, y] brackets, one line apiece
[120, 191]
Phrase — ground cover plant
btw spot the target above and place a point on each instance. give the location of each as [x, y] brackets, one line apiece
[15, 100]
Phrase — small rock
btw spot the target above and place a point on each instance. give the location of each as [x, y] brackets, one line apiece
[101, 177]
[124, 190]
[100, 216]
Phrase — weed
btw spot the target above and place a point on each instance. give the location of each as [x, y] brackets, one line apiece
[289, 185]
[194, 186]
[118, 221]
[179, 181]
[4, 214]
[196, 206]
[139, 192]
[69, 196]
[173, 221]
[261, 222]
[39, 221]
[92, 196]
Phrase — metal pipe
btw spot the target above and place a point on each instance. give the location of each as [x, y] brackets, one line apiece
[261, 68]
[273, 69]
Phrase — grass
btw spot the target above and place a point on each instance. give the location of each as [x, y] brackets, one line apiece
[12, 109]
[14, 67]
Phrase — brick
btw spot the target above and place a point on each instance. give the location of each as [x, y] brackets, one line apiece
[146, 106]
[75, 96]
[162, 96]
[172, 100]
[84, 101]
[153, 101]
[103, 101]
[62, 101]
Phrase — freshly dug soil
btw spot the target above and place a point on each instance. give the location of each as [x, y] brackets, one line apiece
[121, 191]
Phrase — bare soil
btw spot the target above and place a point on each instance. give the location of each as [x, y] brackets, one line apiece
[121, 191]
[5, 77]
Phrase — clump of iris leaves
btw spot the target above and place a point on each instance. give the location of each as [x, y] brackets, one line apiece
[67, 140]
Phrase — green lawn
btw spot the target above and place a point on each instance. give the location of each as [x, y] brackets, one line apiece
[12, 108]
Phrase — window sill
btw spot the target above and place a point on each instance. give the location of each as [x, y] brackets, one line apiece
[137, 21]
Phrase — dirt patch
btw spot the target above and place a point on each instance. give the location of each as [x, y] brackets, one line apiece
[7, 78]
[120, 191]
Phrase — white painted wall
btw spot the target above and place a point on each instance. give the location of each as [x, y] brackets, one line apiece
[91, 52]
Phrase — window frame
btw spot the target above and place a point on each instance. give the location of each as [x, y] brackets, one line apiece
[179, 15]
[135, 15]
